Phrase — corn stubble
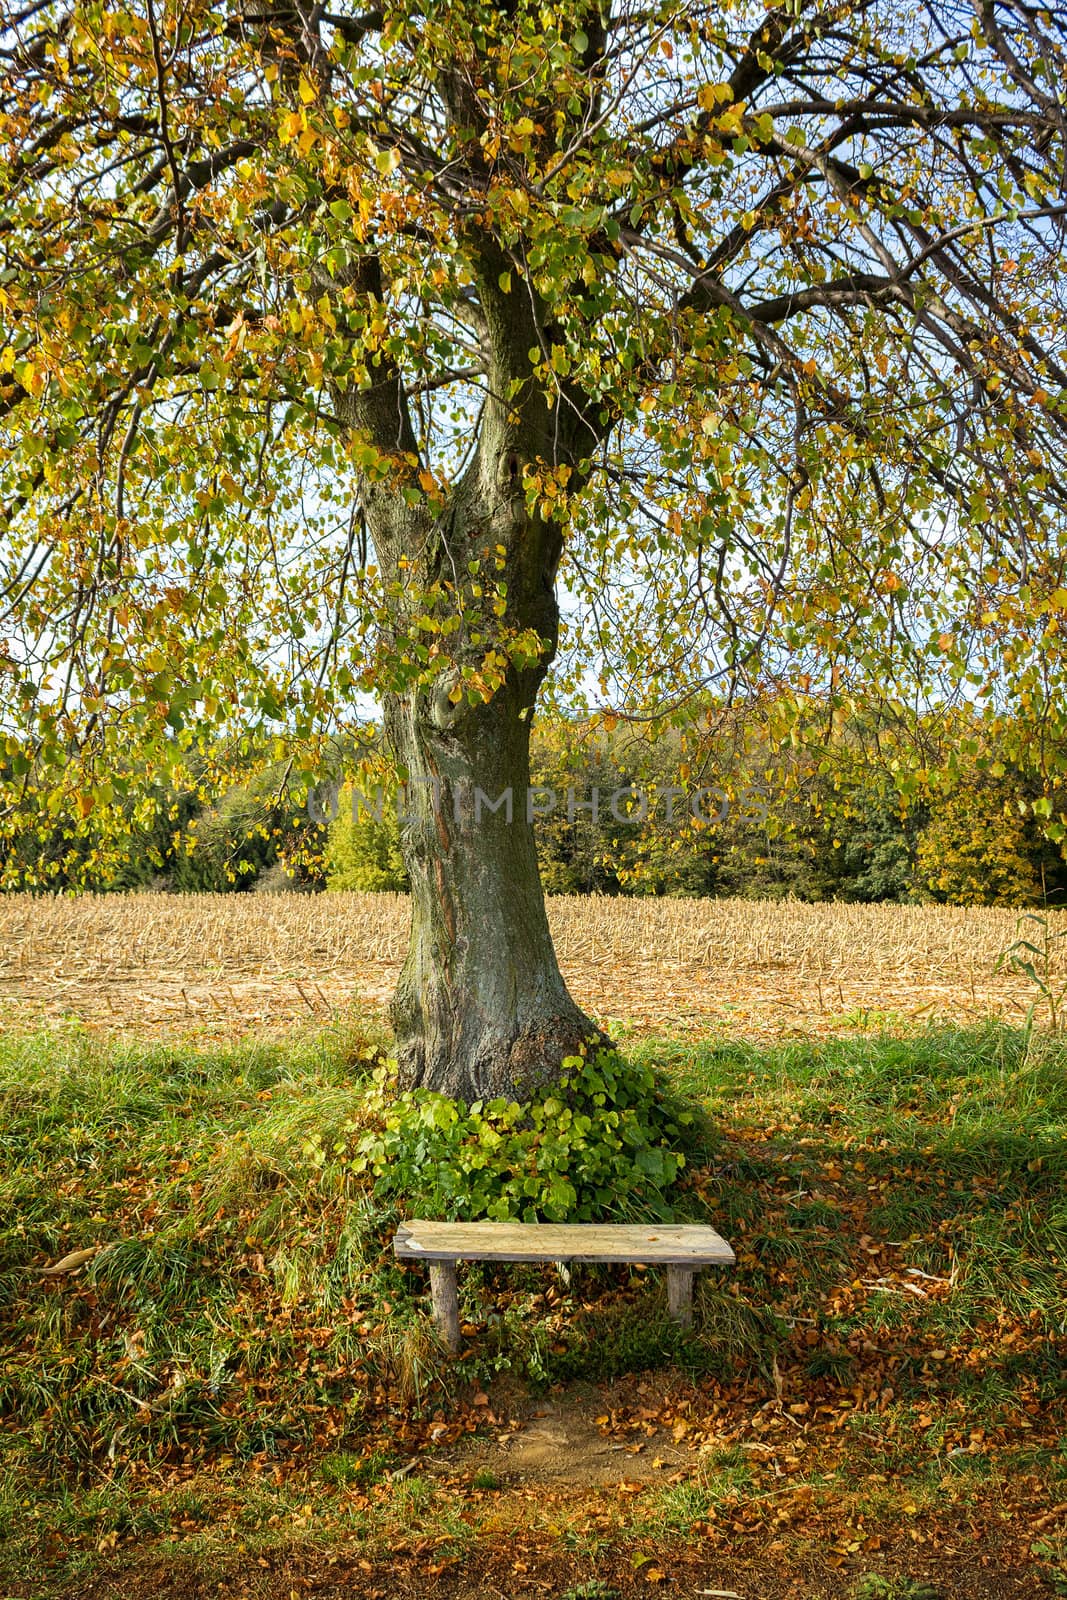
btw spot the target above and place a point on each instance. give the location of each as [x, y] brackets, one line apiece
[229, 962]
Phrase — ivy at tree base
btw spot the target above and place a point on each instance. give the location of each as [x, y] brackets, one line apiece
[604, 1142]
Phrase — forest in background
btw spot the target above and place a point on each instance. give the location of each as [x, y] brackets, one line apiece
[838, 819]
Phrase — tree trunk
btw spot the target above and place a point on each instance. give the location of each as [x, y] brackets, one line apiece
[481, 1008]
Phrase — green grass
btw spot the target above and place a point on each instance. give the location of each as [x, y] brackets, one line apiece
[225, 1312]
[872, 1586]
[898, 1205]
[947, 1144]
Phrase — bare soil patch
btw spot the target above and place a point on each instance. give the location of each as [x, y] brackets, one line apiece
[567, 1437]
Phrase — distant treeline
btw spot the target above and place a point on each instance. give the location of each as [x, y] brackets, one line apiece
[766, 823]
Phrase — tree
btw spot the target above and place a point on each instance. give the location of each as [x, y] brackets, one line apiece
[973, 851]
[330, 335]
[364, 850]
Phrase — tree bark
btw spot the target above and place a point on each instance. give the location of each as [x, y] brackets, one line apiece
[481, 1008]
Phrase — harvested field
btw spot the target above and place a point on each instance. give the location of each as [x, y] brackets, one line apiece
[227, 963]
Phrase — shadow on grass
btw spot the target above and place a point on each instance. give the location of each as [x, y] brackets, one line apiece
[904, 1193]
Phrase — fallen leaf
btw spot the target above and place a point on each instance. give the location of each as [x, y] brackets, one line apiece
[71, 1263]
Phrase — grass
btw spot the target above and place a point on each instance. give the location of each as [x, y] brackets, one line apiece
[215, 1240]
[872, 1586]
[242, 1346]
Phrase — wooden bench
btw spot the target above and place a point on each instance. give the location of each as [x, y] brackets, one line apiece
[683, 1250]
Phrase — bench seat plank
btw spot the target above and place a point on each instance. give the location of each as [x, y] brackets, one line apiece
[681, 1245]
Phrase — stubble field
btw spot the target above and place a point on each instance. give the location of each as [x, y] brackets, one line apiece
[226, 964]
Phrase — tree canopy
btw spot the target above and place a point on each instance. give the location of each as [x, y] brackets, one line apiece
[769, 302]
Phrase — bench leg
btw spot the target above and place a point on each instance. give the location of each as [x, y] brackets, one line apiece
[446, 1304]
[680, 1294]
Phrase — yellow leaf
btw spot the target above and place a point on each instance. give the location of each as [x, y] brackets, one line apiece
[710, 95]
[307, 91]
